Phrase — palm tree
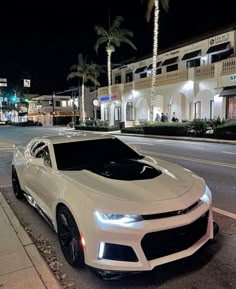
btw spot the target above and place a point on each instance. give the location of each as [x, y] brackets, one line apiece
[113, 37]
[154, 4]
[86, 72]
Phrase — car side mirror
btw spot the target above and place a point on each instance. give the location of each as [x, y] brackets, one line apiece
[38, 162]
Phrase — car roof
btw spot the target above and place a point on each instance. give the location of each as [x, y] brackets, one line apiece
[66, 138]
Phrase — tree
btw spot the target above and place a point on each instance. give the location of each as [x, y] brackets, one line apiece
[154, 4]
[86, 72]
[113, 37]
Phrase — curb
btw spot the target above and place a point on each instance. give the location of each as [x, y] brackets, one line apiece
[209, 140]
[40, 265]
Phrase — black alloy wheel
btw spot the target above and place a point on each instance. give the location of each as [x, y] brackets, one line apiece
[16, 184]
[69, 237]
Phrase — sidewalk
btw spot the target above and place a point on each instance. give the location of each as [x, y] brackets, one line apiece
[21, 265]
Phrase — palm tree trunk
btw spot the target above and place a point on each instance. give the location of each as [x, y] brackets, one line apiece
[82, 103]
[109, 84]
[154, 59]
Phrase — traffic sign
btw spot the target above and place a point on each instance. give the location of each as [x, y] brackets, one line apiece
[26, 82]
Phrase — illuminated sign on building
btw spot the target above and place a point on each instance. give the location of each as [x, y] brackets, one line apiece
[109, 98]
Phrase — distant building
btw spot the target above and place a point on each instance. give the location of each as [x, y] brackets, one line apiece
[59, 109]
[196, 79]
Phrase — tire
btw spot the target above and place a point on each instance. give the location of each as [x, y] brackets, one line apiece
[69, 237]
[16, 184]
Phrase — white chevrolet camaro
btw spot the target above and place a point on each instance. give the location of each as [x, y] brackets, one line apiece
[114, 209]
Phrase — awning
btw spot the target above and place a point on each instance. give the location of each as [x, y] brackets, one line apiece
[140, 69]
[150, 66]
[228, 91]
[170, 60]
[218, 47]
[192, 54]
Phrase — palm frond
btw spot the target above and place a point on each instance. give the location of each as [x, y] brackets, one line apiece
[74, 67]
[165, 4]
[116, 23]
[74, 74]
[99, 42]
[115, 41]
[150, 5]
[92, 79]
[127, 41]
[126, 32]
[101, 31]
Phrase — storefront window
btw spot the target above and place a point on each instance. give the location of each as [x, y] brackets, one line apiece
[231, 107]
[129, 111]
[198, 109]
[106, 113]
[211, 109]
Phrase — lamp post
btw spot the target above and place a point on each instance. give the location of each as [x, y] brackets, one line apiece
[53, 109]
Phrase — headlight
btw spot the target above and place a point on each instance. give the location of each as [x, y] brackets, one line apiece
[117, 218]
[206, 197]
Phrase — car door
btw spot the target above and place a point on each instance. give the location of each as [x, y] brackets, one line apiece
[42, 181]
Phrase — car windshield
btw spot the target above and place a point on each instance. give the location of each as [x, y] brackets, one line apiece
[82, 154]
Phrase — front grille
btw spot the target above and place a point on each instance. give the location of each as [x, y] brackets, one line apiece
[171, 214]
[163, 243]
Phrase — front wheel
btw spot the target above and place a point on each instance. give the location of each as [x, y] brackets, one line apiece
[69, 237]
[16, 184]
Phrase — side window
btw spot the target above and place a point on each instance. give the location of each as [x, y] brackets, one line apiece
[35, 146]
[40, 150]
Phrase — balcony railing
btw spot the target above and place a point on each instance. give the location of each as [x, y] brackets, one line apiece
[205, 71]
[172, 77]
[228, 66]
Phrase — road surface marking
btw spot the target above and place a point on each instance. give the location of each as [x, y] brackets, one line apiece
[231, 153]
[227, 165]
[225, 213]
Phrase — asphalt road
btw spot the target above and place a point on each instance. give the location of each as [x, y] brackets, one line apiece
[212, 267]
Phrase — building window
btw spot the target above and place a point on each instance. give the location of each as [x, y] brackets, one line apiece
[129, 77]
[158, 71]
[58, 103]
[117, 113]
[193, 63]
[198, 109]
[64, 103]
[129, 111]
[172, 67]
[117, 79]
[211, 109]
[143, 75]
[106, 113]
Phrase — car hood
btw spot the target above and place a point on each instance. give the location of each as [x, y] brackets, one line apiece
[171, 182]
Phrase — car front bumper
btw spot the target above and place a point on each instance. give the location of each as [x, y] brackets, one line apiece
[144, 245]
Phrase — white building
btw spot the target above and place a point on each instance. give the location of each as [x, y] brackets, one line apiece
[195, 80]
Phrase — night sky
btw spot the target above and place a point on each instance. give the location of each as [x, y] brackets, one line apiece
[41, 41]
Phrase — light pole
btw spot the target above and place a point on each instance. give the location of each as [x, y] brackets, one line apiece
[53, 108]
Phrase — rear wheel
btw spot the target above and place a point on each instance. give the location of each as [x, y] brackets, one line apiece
[69, 237]
[16, 185]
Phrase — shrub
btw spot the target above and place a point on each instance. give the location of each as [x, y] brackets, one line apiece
[95, 128]
[169, 128]
[135, 129]
[226, 131]
[198, 127]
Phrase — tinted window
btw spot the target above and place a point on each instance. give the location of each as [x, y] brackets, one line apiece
[92, 153]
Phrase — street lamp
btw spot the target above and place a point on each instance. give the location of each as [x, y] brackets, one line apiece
[53, 109]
